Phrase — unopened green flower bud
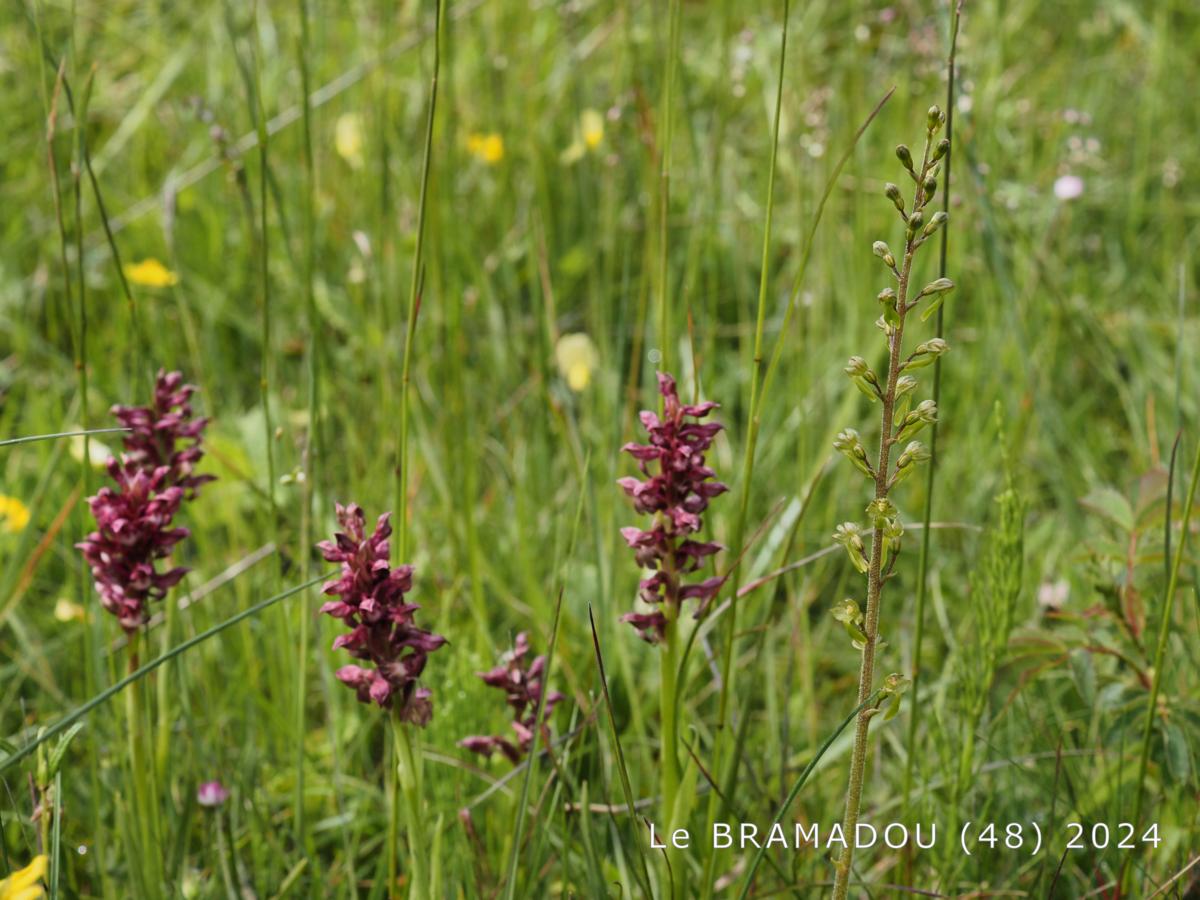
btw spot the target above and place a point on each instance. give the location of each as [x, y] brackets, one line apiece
[934, 119]
[938, 286]
[930, 189]
[936, 221]
[942, 148]
[905, 156]
[884, 252]
[857, 367]
[915, 221]
[926, 353]
[893, 194]
[924, 414]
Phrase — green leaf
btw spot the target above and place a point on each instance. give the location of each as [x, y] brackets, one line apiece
[1111, 505]
[60, 749]
[1178, 753]
[1084, 673]
[932, 307]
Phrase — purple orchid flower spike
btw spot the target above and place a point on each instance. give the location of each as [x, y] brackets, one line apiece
[370, 600]
[134, 532]
[166, 434]
[134, 520]
[522, 685]
[676, 491]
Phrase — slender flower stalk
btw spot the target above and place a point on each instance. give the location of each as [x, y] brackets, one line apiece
[898, 453]
[370, 599]
[676, 491]
[521, 682]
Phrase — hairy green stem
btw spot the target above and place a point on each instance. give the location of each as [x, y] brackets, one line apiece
[875, 575]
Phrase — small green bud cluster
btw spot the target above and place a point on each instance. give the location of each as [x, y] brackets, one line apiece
[850, 445]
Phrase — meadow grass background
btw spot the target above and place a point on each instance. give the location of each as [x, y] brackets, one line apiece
[1076, 317]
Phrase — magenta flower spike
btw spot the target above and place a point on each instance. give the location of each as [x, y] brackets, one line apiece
[370, 601]
[165, 434]
[676, 491]
[522, 685]
[134, 520]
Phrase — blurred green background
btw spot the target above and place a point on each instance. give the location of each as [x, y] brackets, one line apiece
[1072, 241]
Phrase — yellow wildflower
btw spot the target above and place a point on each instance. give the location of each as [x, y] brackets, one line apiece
[25, 884]
[348, 139]
[487, 148]
[589, 134]
[591, 128]
[66, 611]
[576, 357]
[150, 273]
[14, 515]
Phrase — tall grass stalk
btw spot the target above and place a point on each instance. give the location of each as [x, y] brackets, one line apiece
[896, 425]
[666, 118]
[915, 709]
[1160, 654]
[259, 111]
[739, 531]
[415, 289]
[402, 468]
[311, 440]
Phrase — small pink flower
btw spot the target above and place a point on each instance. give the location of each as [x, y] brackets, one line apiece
[1068, 187]
[212, 794]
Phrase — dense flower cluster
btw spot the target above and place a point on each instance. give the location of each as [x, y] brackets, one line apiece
[157, 433]
[522, 685]
[675, 494]
[370, 600]
[153, 477]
